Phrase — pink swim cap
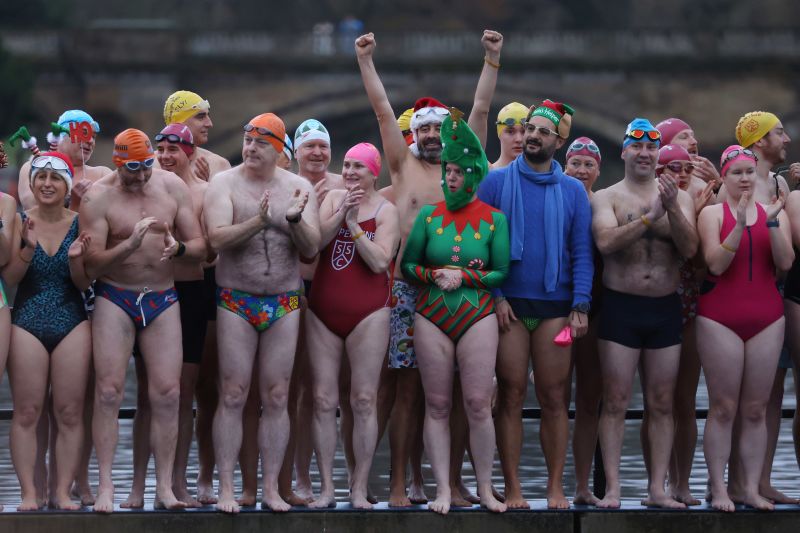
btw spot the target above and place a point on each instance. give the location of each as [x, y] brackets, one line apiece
[670, 128]
[367, 154]
[672, 152]
[734, 153]
[584, 146]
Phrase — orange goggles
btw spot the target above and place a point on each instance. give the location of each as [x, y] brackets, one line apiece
[653, 135]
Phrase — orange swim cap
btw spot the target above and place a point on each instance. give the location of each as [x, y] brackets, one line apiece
[131, 145]
[272, 130]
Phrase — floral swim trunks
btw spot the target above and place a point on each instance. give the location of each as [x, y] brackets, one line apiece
[401, 324]
[260, 311]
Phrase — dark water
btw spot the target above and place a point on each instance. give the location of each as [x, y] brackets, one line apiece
[532, 469]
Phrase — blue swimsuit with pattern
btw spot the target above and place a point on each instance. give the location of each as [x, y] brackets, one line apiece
[48, 305]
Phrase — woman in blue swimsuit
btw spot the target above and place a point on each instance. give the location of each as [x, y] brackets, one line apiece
[50, 336]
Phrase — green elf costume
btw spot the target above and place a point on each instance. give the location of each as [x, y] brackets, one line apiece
[461, 233]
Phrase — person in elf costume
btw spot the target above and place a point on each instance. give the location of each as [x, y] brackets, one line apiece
[458, 249]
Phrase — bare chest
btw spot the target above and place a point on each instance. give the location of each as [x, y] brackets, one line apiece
[125, 212]
[246, 200]
[415, 192]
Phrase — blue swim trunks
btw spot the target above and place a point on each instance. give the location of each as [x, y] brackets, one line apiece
[143, 307]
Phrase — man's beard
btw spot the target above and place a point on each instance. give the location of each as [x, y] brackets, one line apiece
[432, 153]
[542, 156]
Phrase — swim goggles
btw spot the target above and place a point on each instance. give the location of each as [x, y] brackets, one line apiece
[133, 166]
[248, 128]
[733, 154]
[173, 138]
[56, 163]
[677, 167]
[511, 122]
[576, 146]
[653, 135]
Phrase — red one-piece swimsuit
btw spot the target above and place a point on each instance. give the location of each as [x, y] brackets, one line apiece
[744, 298]
[346, 290]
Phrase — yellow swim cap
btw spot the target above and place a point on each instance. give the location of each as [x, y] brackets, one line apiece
[511, 114]
[753, 126]
[182, 105]
[404, 120]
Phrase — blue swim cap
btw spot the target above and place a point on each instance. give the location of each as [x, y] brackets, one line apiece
[76, 115]
[641, 130]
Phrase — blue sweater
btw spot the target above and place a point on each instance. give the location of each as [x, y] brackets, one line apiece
[526, 277]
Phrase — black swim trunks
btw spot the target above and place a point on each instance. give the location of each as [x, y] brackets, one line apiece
[191, 296]
[641, 321]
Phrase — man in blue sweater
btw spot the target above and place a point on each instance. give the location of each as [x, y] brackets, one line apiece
[548, 288]
[642, 227]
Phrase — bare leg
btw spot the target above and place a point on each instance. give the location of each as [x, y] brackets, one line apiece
[82, 489]
[365, 347]
[28, 369]
[476, 352]
[773, 421]
[552, 367]
[163, 355]
[588, 392]
[436, 358]
[5, 339]
[189, 374]
[207, 396]
[69, 373]
[401, 438]
[325, 351]
[512, 385]
[459, 433]
[792, 313]
[618, 364]
[416, 489]
[248, 455]
[303, 446]
[112, 342]
[685, 418]
[237, 350]
[141, 438]
[761, 354]
[659, 381]
[276, 351]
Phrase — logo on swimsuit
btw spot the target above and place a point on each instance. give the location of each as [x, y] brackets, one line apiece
[343, 253]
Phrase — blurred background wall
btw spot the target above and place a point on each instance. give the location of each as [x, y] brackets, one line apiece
[706, 61]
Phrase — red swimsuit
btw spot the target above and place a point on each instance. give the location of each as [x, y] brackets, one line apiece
[744, 298]
[346, 290]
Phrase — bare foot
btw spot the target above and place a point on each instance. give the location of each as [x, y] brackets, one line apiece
[557, 501]
[29, 504]
[497, 496]
[489, 502]
[104, 503]
[183, 495]
[457, 500]
[399, 500]
[294, 500]
[466, 494]
[416, 493]
[65, 503]
[359, 501]
[514, 499]
[205, 492]
[135, 500]
[274, 502]
[662, 501]
[168, 501]
[758, 502]
[83, 493]
[247, 499]
[227, 504]
[585, 497]
[304, 492]
[611, 501]
[325, 501]
[684, 496]
[440, 505]
[723, 503]
[775, 495]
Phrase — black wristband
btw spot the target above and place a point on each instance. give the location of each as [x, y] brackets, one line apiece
[774, 223]
[181, 249]
[294, 220]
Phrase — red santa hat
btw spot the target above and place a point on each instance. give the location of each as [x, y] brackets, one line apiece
[427, 110]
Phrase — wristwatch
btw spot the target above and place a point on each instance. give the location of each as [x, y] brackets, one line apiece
[582, 307]
[295, 219]
[774, 223]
